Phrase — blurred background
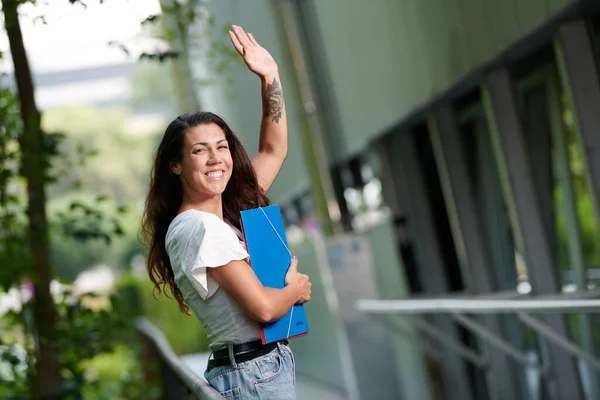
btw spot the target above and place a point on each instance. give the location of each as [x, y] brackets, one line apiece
[442, 191]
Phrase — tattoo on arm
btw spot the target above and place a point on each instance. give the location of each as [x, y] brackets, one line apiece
[273, 101]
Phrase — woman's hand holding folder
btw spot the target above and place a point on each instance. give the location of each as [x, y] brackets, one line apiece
[301, 281]
[263, 304]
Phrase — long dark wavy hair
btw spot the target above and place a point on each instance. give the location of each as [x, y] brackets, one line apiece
[165, 196]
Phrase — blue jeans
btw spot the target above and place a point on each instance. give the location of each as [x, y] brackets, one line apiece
[271, 376]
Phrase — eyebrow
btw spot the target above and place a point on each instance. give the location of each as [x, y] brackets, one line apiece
[206, 143]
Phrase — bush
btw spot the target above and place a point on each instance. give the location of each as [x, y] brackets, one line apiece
[98, 356]
[184, 333]
[117, 375]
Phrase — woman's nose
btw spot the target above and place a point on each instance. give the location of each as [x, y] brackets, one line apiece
[214, 158]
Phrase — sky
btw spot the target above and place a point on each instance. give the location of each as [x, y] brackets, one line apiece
[78, 37]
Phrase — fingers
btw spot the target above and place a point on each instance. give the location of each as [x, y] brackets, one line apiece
[254, 42]
[242, 36]
[236, 43]
[293, 265]
[307, 292]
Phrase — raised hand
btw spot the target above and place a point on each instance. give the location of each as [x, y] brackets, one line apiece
[256, 57]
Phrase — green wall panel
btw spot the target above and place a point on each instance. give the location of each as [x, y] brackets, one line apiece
[556, 5]
[387, 57]
[503, 22]
[426, 15]
[459, 54]
[529, 11]
[478, 34]
[410, 365]
[242, 107]
[318, 354]
[338, 46]
[409, 47]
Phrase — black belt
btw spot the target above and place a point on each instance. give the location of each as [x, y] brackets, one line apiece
[242, 352]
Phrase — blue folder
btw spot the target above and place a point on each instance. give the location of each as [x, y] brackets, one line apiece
[270, 259]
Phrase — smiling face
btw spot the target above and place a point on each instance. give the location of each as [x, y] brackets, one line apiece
[206, 164]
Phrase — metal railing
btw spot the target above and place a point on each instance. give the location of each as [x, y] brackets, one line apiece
[177, 380]
[459, 307]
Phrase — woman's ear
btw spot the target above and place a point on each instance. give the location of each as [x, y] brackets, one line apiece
[176, 168]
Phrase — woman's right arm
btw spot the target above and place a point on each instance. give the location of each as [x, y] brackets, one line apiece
[261, 303]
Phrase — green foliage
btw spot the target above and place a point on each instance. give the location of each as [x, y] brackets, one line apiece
[190, 27]
[211, 44]
[70, 255]
[92, 331]
[584, 202]
[149, 86]
[86, 222]
[184, 333]
[84, 334]
[14, 251]
[95, 207]
[13, 369]
[587, 222]
[120, 170]
[78, 220]
[221, 55]
[117, 375]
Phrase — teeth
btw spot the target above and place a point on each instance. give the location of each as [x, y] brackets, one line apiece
[215, 174]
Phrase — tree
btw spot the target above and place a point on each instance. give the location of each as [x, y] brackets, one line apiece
[188, 30]
[33, 168]
[176, 20]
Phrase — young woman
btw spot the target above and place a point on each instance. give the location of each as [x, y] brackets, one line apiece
[202, 178]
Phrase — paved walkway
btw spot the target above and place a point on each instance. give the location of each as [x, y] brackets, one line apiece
[305, 390]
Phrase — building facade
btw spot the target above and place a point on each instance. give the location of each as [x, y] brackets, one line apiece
[479, 121]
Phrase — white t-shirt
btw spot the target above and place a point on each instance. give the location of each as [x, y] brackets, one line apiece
[198, 240]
